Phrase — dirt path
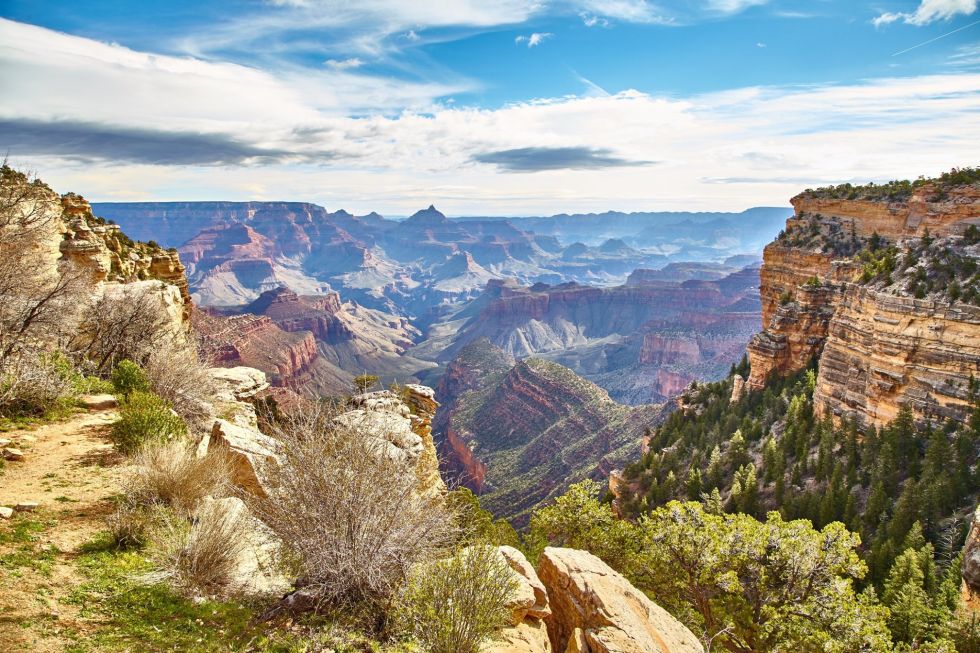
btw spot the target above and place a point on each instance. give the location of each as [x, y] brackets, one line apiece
[71, 470]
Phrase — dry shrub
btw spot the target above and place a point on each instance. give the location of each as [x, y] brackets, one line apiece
[124, 325]
[178, 376]
[33, 384]
[202, 556]
[172, 474]
[456, 604]
[350, 518]
[132, 524]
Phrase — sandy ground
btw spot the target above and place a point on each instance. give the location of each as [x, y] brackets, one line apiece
[72, 471]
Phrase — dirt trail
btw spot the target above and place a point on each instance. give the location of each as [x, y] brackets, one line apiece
[72, 471]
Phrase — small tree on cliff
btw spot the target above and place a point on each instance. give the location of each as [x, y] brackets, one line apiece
[364, 383]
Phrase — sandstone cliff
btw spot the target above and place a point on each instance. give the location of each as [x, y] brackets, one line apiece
[109, 255]
[883, 292]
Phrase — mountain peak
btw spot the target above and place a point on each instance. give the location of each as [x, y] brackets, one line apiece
[431, 215]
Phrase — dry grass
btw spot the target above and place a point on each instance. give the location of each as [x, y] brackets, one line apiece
[172, 474]
[204, 556]
[177, 375]
[349, 516]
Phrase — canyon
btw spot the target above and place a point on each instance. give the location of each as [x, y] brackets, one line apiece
[519, 432]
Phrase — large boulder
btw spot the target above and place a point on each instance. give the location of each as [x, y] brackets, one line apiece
[239, 383]
[528, 632]
[401, 424]
[613, 616]
[249, 450]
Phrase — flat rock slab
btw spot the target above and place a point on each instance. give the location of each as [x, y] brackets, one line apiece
[12, 453]
[6, 513]
[26, 506]
[99, 402]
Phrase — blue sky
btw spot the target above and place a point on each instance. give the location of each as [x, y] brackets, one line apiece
[515, 106]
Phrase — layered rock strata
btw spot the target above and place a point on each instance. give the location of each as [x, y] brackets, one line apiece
[879, 348]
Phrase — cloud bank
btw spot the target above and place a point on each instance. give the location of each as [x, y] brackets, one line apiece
[191, 128]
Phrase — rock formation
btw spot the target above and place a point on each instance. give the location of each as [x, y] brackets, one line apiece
[529, 609]
[643, 342]
[520, 433]
[399, 422]
[879, 347]
[108, 254]
[595, 609]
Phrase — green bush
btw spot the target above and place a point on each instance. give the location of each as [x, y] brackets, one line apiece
[144, 418]
[455, 605]
[128, 377]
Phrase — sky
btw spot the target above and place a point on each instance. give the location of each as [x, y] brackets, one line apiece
[511, 107]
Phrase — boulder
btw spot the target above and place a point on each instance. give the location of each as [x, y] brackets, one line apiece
[401, 424]
[249, 449]
[12, 453]
[614, 617]
[26, 506]
[531, 598]
[6, 512]
[98, 402]
[255, 570]
[528, 632]
[529, 636]
[243, 383]
[971, 556]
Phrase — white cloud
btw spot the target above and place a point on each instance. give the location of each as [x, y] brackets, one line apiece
[929, 11]
[966, 56]
[728, 150]
[760, 44]
[594, 21]
[344, 64]
[733, 6]
[534, 39]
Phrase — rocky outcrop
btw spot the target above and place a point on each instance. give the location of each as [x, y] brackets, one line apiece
[107, 254]
[884, 352]
[527, 632]
[878, 347]
[941, 211]
[401, 423]
[595, 609]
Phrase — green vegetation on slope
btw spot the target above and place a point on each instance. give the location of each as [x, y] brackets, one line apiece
[899, 189]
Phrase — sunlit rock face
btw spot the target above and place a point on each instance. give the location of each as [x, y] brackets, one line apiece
[879, 348]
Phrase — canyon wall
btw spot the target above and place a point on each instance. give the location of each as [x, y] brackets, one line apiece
[520, 433]
[881, 344]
